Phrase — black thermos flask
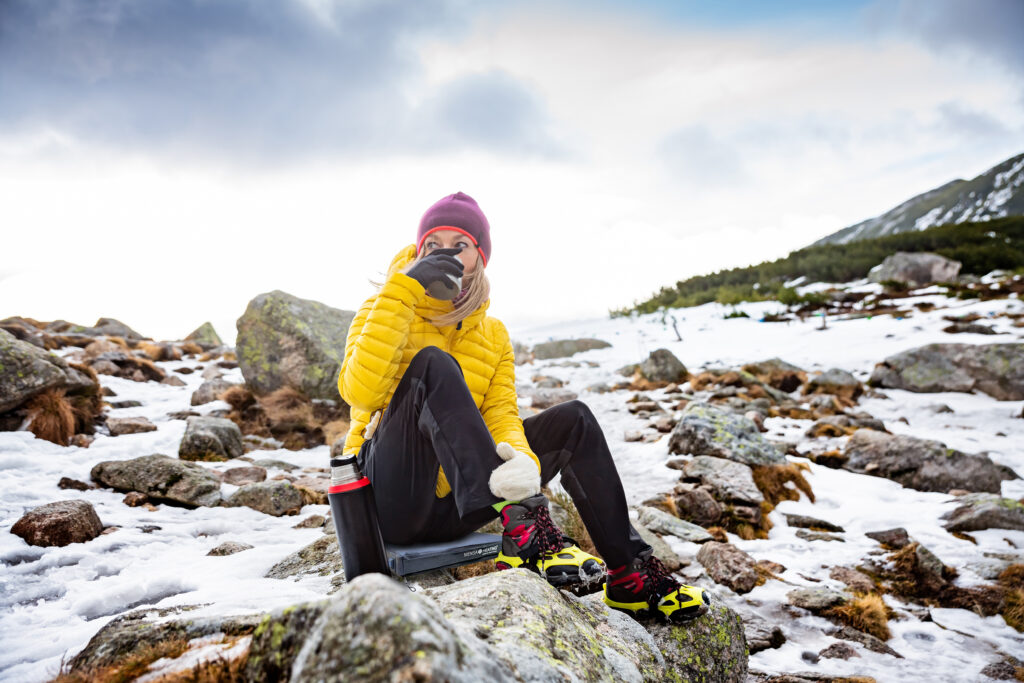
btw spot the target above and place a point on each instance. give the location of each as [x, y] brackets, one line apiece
[355, 519]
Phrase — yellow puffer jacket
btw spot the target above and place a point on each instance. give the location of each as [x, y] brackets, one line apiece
[392, 326]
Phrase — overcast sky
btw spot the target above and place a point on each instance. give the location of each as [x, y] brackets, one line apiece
[163, 162]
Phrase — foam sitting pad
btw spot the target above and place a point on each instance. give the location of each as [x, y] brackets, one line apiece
[423, 557]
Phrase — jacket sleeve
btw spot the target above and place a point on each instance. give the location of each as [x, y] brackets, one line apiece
[500, 408]
[376, 338]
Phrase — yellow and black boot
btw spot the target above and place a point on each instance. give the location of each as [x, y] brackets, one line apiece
[645, 589]
[532, 540]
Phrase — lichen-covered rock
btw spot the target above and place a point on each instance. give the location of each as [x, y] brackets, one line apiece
[229, 548]
[58, 524]
[27, 370]
[275, 498]
[922, 464]
[120, 426]
[837, 382]
[915, 269]
[995, 369]
[320, 558]
[505, 626]
[816, 599]
[664, 523]
[210, 390]
[705, 429]
[239, 476]
[287, 341]
[729, 481]
[728, 565]
[109, 327]
[562, 348]
[210, 439]
[977, 511]
[162, 478]
[662, 367]
[205, 336]
[778, 374]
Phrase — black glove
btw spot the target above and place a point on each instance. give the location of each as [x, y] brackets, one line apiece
[439, 272]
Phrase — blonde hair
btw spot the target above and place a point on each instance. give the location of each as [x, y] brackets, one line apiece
[478, 290]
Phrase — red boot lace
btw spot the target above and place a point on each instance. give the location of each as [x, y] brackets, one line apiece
[549, 536]
[661, 580]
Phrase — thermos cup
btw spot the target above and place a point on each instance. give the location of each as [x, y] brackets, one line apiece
[355, 519]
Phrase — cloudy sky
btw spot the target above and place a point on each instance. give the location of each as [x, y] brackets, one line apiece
[162, 162]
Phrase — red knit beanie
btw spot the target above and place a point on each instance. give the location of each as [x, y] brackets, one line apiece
[458, 212]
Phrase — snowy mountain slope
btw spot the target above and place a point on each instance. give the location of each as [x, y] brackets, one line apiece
[995, 193]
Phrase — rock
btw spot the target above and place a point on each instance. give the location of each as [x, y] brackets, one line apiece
[893, 538]
[778, 373]
[856, 581]
[808, 535]
[162, 478]
[728, 565]
[815, 600]
[229, 548]
[59, 524]
[662, 367]
[921, 464]
[173, 381]
[545, 398]
[664, 523]
[120, 426]
[729, 481]
[662, 550]
[938, 408]
[804, 522]
[211, 439]
[547, 382]
[563, 348]
[275, 498]
[1003, 670]
[476, 630]
[633, 435]
[125, 404]
[268, 463]
[977, 511]
[705, 429]
[320, 558]
[866, 639]
[68, 483]
[311, 522]
[995, 369]
[698, 506]
[521, 352]
[839, 651]
[915, 269]
[836, 382]
[27, 370]
[239, 476]
[968, 328]
[760, 634]
[287, 341]
[134, 499]
[211, 373]
[842, 425]
[205, 336]
[210, 390]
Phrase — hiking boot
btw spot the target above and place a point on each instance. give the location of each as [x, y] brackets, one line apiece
[532, 540]
[644, 588]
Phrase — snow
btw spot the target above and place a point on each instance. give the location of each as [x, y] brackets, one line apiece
[54, 600]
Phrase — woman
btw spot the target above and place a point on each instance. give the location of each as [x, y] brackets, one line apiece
[436, 426]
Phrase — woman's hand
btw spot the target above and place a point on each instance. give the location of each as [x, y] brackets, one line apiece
[517, 478]
[439, 272]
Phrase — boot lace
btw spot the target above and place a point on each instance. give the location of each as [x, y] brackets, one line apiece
[549, 537]
[659, 576]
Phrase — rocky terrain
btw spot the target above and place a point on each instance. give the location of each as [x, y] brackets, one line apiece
[848, 488]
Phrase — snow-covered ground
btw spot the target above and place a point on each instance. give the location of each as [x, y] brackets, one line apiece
[54, 599]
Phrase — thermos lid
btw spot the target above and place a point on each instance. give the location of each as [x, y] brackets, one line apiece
[339, 462]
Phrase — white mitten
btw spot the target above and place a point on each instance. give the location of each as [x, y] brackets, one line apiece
[517, 478]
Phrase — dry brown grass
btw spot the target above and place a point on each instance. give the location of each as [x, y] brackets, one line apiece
[51, 417]
[129, 667]
[287, 410]
[867, 613]
[574, 527]
[311, 496]
[1012, 579]
[334, 430]
[718, 533]
[238, 396]
[191, 348]
[468, 571]
[87, 405]
[208, 356]
[230, 355]
[772, 480]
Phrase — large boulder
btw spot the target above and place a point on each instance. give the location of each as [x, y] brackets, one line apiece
[915, 269]
[995, 369]
[922, 464]
[835, 381]
[728, 565]
[27, 370]
[662, 367]
[58, 524]
[287, 341]
[729, 481]
[977, 511]
[104, 327]
[663, 523]
[162, 478]
[561, 348]
[211, 439]
[705, 429]
[210, 390]
[205, 336]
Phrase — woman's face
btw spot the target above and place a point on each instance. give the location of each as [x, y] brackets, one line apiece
[452, 239]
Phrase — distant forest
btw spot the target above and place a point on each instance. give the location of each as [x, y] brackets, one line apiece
[980, 247]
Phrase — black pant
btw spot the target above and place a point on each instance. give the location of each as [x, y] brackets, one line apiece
[432, 421]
